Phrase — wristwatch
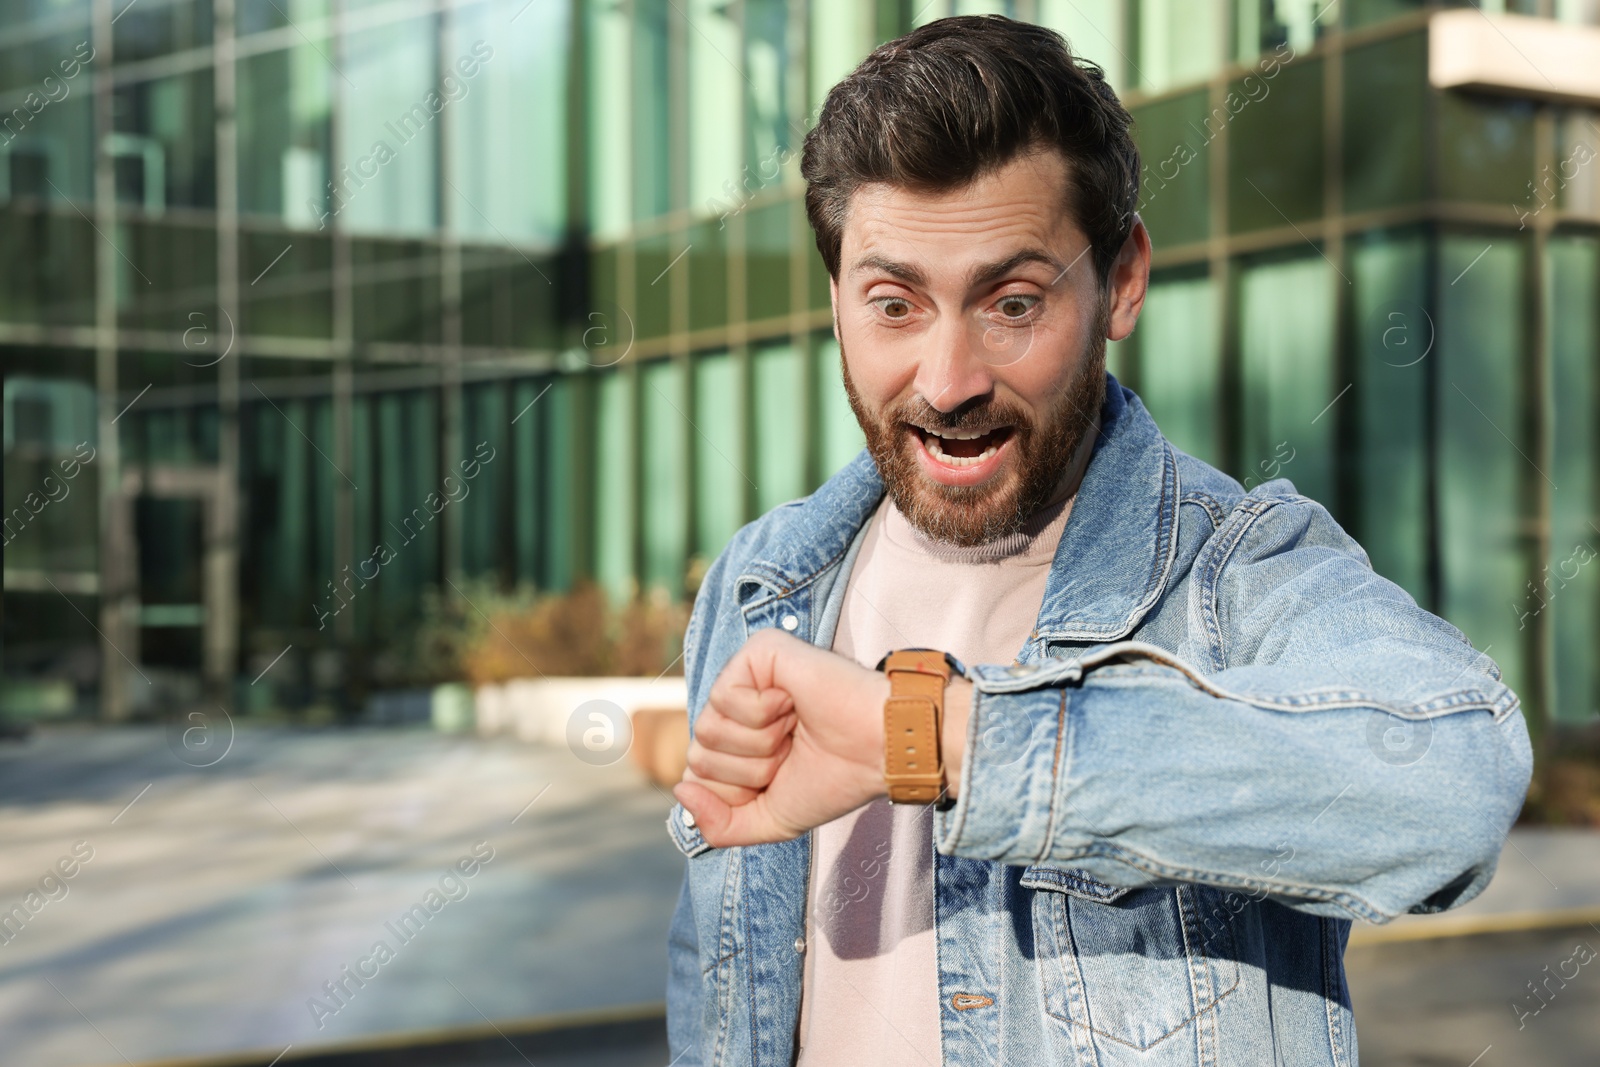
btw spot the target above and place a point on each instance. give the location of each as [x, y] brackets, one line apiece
[913, 721]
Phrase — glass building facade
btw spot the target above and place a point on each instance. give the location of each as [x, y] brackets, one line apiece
[523, 290]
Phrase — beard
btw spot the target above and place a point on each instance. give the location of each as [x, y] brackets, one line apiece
[1042, 449]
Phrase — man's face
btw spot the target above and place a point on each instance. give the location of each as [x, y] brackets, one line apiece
[972, 329]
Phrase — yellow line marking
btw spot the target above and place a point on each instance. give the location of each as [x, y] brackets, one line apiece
[1441, 926]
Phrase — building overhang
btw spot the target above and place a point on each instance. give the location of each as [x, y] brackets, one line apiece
[1514, 54]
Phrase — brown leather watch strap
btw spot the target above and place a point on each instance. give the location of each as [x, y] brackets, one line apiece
[913, 716]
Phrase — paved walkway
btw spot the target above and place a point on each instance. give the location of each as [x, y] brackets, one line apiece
[217, 901]
[1546, 877]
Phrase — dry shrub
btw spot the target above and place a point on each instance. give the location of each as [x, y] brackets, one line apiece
[1565, 791]
[575, 633]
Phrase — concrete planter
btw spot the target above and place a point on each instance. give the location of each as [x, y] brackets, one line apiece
[537, 710]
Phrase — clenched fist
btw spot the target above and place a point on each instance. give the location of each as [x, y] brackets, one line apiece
[791, 737]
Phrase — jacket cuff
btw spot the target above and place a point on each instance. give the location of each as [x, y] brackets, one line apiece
[684, 833]
[1016, 755]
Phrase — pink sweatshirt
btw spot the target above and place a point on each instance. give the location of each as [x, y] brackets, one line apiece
[871, 973]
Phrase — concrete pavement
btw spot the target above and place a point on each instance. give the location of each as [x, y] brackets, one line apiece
[217, 902]
[210, 908]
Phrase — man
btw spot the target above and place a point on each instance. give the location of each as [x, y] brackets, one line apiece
[1195, 735]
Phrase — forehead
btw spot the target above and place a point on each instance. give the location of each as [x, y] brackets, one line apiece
[1021, 203]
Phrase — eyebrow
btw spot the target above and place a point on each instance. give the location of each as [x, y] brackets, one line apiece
[983, 274]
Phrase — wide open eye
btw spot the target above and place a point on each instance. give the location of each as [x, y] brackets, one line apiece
[1016, 306]
[894, 307]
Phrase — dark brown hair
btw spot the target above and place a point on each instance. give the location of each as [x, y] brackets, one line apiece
[950, 101]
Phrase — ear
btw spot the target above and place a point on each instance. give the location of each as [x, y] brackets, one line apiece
[833, 300]
[1129, 281]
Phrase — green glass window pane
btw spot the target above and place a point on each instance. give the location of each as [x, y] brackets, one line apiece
[44, 258]
[719, 483]
[1394, 337]
[408, 451]
[708, 275]
[47, 119]
[1369, 12]
[841, 37]
[1262, 26]
[1480, 470]
[1179, 41]
[839, 432]
[34, 48]
[257, 16]
[715, 90]
[780, 439]
[161, 29]
[364, 536]
[388, 140]
[525, 439]
[771, 132]
[653, 285]
[395, 290]
[1119, 356]
[1180, 363]
[767, 260]
[322, 478]
[1174, 180]
[565, 505]
[49, 422]
[614, 477]
[1485, 148]
[508, 298]
[176, 276]
[392, 589]
[292, 567]
[1286, 335]
[1385, 103]
[1571, 578]
[663, 404]
[605, 294]
[1274, 146]
[163, 148]
[1576, 183]
[609, 113]
[283, 113]
[1095, 30]
[818, 283]
[482, 508]
[507, 187]
[651, 126]
[289, 286]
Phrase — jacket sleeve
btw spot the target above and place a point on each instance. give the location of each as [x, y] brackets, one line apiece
[686, 1007]
[1327, 743]
[685, 991]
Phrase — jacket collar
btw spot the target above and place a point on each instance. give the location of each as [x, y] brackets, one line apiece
[1114, 558]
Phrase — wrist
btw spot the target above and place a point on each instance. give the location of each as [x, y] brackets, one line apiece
[953, 733]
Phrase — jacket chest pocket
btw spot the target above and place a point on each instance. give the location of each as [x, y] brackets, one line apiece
[1130, 966]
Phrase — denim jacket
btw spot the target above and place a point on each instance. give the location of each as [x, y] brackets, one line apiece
[1225, 739]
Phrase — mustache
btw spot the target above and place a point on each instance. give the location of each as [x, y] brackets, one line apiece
[976, 417]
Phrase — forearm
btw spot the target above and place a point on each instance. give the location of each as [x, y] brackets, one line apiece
[1138, 775]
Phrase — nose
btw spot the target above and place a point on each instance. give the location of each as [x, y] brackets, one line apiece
[953, 370]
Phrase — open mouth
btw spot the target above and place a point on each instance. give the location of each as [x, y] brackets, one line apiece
[963, 448]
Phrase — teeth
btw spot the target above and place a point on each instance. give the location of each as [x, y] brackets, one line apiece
[952, 435]
[948, 460]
